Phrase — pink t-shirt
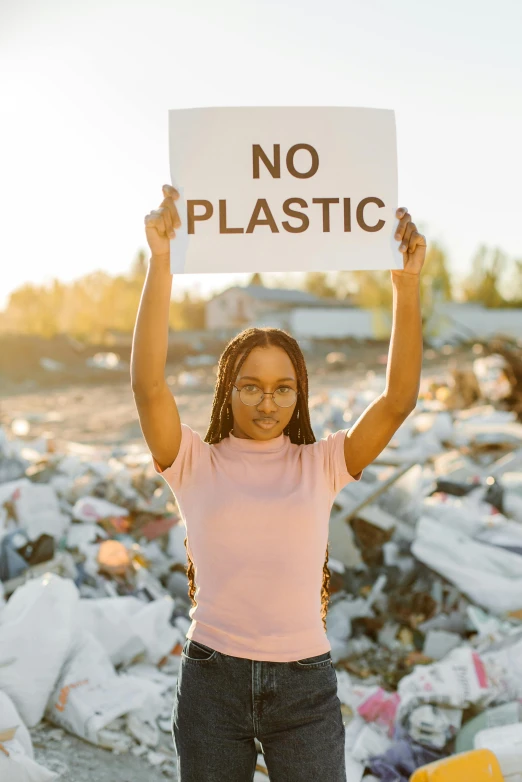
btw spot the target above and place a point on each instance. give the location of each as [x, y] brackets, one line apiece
[257, 514]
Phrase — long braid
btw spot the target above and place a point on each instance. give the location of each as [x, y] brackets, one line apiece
[299, 428]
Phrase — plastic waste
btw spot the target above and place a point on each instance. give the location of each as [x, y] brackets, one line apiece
[105, 361]
[188, 380]
[369, 742]
[506, 743]
[11, 722]
[141, 723]
[380, 708]
[128, 627]
[497, 716]
[490, 372]
[37, 510]
[456, 682]
[16, 766]
[113, 558]
[89, 695]
[439, 642]
[434, 726]
[404, 756]
[36, 631]
[93, 509]
[479, 765]
[489, 576]
[12, 563]
[502, 664]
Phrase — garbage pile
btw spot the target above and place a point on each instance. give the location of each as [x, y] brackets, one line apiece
[425, 616]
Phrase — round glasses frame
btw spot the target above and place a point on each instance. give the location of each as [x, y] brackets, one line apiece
[266, 393]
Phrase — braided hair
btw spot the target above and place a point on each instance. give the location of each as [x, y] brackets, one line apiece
[299, 429]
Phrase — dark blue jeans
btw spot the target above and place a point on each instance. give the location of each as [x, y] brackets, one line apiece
[292, 708]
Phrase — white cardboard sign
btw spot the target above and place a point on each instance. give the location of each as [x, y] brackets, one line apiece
[284, 189]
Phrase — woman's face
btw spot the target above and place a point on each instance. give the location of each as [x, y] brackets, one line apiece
[268, 369]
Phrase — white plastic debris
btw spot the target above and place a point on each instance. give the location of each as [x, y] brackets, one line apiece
[489, 575]
[16, 766]
[506, 743]
[50, 364]
[10, 720]
[116, 741]
[89, 694]
[36, 631]
[105, 361]
[37, 510]
[503, 667]
[80, 535]
[157, 758]
[434, 726]
[457, 682]
[93, 509]
[490, 372]
[176, 548]
[20, 427]
[439, 642]
[141, 724]
[127, 627]
[188, 380]
[369, 743]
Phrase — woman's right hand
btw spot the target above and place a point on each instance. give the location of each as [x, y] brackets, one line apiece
[160, 223]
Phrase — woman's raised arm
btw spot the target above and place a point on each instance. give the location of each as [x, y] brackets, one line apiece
[157, 409]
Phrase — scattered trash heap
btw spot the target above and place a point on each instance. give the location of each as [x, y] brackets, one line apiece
[425, 617]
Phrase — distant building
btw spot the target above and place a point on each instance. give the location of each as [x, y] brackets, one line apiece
[327, 322]
[309, 317]
[467, 320]
[240, 307]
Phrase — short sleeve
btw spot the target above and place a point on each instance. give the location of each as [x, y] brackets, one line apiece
[192, 450]
[334, 461]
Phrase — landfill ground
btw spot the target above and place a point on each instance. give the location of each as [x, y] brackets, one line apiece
[75, 760]
[425, 615]
[101, 409]
[106, 414]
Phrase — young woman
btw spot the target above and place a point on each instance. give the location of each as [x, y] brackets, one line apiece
[255, 495]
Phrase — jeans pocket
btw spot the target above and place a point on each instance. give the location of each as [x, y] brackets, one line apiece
[322, 660]
[198, 652]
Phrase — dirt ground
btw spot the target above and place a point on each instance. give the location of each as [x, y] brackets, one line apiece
[75, 760]
[104, 413]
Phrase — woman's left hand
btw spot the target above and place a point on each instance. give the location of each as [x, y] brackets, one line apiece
[412, 245]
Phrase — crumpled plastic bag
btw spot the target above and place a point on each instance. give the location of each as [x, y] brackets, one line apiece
[488, 575]
[491, 374]
[503, 665]
[37, 510]
[127, 627]
[36, 631]
[10, 718]
[93, 509]
[458, 681]
[18, 765]
[404, 757]
[89, 694]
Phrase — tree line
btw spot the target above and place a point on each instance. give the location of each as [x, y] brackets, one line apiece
[98, 303]
[495, 280]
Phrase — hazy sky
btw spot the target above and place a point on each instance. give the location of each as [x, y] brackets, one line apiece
[86, 87]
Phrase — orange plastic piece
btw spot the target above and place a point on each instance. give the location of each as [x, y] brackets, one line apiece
[479, 765]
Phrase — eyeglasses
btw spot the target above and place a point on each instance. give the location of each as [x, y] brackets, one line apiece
[252, 395]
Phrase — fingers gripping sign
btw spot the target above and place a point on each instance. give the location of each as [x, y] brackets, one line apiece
[161, 223]
[412, 244]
